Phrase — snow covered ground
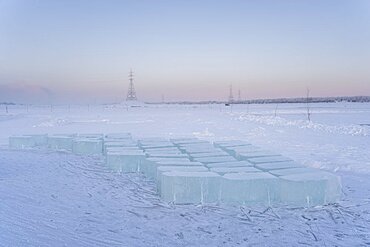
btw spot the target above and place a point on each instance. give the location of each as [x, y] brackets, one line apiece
[60, 199]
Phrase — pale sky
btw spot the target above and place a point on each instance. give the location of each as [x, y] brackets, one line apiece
[82, 50]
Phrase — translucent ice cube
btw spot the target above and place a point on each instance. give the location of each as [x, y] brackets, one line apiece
[270, 159]
[168, 155]
[197, 150]
[151, 167]
[162, 169]
[310, 189]
[186, 141]
[163, 150]
[168, 159]
[153, 141]
[87, 146]
[21, 142]
[118, 135]
[157, 145]
[278, 165]
[183, 139]
[231, 143]
[255, 154]
[91, 135]
[39, 139]
[60, 142]
[119, 144]
[224, 170]
[129, 141]
[171, 153]
[190, 187]
[250, 188]
[230, 164]
[127, 161]
[234, 151]
[222, 159]
[209, 154]
[147, 165]
[290, 171]
[120, 149]
[65, 134]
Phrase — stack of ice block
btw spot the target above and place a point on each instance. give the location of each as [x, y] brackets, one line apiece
[189, 170]
[246, 174]
[279, 179]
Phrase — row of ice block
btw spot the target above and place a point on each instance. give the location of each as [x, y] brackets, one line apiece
[249, 188]
[27, 141]
[246, 187]
[195, 171]
[189, 170]
[181, 181]
[239, 173]
[77, 143]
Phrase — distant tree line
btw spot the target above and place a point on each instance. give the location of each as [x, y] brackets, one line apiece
[361, 99]
[304, 100]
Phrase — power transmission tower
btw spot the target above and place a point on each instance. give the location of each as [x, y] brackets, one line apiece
[231, 97]
[239, 96]
[131, 93]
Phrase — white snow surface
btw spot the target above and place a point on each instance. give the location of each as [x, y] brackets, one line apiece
[52, 198]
